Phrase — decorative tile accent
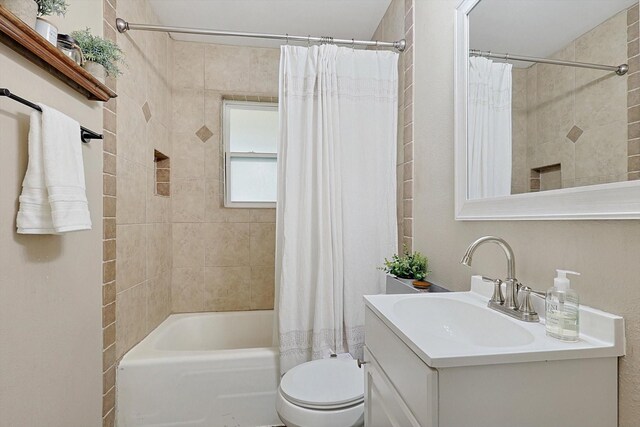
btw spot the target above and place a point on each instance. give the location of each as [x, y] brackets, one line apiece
[204, 133]
[109, 183]
[575, 133]
[146, 110]
[406, 220]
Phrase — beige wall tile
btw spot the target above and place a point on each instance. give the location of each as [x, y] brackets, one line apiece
[227, 244]
[226, 67]
[132, 128]
[158, 299]
[262, 287]
[131, 255]
[602, 151]
[158, 138]
[188, 110]
[188, 156]
[131, 312]
[227, 288]
[263, 215]
[187, 289]
[159, 249]
[188, 200]
[188, 65]
[263, 238]
[188, 244]
[131, 184]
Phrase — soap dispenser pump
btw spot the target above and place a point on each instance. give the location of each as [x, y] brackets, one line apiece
[562, 309]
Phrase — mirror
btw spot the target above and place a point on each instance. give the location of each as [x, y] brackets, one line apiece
[547, 108]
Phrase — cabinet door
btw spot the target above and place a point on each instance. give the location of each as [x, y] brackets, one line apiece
[382, 403]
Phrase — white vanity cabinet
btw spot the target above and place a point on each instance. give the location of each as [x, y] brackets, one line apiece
[409, 383]
[400, 389]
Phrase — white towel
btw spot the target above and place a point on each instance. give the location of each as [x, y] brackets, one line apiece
[53, 198]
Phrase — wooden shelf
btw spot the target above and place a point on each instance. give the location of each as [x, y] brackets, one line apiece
[27, 42]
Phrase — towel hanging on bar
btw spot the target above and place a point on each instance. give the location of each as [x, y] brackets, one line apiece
[85, 134]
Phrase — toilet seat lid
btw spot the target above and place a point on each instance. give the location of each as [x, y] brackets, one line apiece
[324, 384]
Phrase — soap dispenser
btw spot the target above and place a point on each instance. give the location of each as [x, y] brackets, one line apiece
[562, 309]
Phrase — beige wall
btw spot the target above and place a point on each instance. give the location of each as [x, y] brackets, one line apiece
[143, 250]
[605, 252]
[223, 259]
[50, 291]
[550, 100]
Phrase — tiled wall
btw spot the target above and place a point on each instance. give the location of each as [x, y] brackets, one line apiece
[109, 236]
[136, 270]
[396, 24]
[223, 259]
[572, 116]
[143, 254]
[633, 94]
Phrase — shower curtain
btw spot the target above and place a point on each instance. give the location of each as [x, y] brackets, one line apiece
[336, 208]
[489, 129]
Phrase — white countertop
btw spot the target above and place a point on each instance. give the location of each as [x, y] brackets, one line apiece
[601, 334]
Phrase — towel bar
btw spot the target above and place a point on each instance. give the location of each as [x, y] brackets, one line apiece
[85, 134]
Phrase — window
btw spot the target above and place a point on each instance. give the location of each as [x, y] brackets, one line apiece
[250, 132]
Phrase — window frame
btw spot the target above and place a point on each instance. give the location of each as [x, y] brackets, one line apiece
[227, 105]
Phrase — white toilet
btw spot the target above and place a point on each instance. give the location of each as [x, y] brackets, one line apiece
[322, 393]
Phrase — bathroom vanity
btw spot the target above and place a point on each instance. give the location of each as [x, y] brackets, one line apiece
[446, 360]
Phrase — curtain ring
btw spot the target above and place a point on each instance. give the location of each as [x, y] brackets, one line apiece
[353, 44]
[287, 38]
[309, 40]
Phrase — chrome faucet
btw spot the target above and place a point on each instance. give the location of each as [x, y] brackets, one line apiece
[509, 304]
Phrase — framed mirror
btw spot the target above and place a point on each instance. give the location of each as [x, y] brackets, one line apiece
[547, 110]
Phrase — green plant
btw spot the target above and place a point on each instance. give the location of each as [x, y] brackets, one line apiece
[98, 50]
[408, 266]
[50, 7]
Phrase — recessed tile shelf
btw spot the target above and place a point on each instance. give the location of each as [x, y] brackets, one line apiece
[24, 40]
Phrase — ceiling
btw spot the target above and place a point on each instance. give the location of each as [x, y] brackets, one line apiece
[346, 19]
[536, 27]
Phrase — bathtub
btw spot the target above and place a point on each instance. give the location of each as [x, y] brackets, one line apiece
[206, 369]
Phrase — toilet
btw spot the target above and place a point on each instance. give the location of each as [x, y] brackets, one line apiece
[322, 393]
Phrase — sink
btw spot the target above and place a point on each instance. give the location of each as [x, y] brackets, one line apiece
[462, 322]
[458, 329]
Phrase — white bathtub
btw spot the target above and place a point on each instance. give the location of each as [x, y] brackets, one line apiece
[208, 369]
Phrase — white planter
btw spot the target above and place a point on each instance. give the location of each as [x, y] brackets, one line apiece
[96, 70]
[396, 285]
[26, 10]
[47, 30]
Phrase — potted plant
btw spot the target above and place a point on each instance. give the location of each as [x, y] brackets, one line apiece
[409, 265]
[48, 8]
[101, 56]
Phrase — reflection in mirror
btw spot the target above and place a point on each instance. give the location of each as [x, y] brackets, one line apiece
[550, 102]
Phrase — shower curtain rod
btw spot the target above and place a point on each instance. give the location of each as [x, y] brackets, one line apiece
[620, 70]
[124, 26]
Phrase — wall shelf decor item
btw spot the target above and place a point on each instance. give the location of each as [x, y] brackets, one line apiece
[24, 40]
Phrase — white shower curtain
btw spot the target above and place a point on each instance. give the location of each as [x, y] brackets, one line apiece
[489, 129]
[336, 209]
